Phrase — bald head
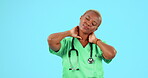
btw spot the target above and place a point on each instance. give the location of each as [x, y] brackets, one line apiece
[98, 15]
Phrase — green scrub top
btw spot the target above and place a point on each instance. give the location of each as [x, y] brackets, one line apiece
[86, 70]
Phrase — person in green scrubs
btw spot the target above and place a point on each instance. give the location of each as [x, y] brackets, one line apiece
[86, 62]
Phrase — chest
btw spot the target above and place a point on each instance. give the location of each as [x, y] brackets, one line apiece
[83, 43]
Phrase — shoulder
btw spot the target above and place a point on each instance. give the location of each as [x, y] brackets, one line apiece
[67, 40]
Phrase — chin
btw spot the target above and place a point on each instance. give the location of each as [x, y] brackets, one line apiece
[86, 31]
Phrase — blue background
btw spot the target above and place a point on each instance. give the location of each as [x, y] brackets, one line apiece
[26, 24]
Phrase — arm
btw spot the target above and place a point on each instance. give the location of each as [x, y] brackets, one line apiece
[55, 38]
[108, 51]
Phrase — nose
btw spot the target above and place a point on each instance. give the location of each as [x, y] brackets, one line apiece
[89, 23]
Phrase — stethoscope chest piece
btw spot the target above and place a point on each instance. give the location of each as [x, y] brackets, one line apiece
[90, 60]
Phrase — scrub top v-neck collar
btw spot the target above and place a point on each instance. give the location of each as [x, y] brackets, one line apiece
[81, 49]
[79, 43]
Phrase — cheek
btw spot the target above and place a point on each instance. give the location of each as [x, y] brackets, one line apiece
[94, 29]
[82, 20]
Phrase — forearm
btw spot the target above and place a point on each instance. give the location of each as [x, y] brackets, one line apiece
[108, 51]
[54, 39]
[57, 37]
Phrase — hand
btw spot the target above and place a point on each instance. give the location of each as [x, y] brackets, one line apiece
[92, 38]
[74, 32]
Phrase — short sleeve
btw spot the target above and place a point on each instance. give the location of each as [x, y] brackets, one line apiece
[106, 60]
[62, 48]
[100, 53]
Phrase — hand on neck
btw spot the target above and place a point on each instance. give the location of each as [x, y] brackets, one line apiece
[83, 35]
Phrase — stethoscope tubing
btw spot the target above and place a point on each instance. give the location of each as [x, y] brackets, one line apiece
[90, 60]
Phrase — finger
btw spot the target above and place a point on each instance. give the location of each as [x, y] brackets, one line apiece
[77, 29]
[92, 33]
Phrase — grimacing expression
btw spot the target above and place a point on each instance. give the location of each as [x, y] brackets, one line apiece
[89, 22]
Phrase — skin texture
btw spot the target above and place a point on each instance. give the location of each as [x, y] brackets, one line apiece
[89, 23]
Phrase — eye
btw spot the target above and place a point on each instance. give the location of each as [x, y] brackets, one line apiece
[87, 18]
[94, 23]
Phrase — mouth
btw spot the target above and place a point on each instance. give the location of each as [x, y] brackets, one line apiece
[85, 26]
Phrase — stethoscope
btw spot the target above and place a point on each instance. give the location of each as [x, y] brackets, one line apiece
[90, 59]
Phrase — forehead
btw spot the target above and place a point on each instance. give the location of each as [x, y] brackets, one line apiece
[92, 15]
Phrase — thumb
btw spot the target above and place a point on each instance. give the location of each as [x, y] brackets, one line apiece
[78, 37]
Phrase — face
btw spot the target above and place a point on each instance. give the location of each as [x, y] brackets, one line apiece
[89, 22]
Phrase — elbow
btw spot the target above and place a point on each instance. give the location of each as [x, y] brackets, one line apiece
[49, 40]
[114, 53]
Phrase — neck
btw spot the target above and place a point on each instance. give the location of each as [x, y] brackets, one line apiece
[83, 35]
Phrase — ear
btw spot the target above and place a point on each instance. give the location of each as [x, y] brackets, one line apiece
[81, 16]
[97, 28]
